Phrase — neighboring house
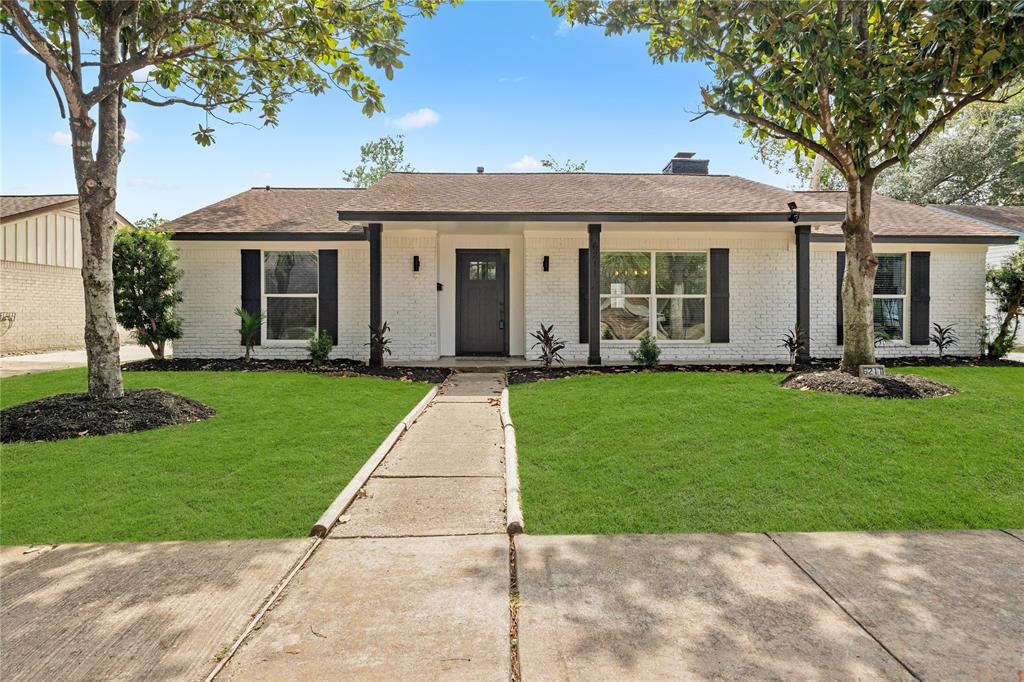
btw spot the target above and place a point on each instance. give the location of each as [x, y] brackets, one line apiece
[1010, 218]
[470, 264]
[40, 273]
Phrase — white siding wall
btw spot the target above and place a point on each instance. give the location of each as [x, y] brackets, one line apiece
[957, 287]
[211, 286]
[53, 238]
[762, 285]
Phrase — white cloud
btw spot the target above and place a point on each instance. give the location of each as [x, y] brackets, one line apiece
[22, 50]
[264, 176]
[423, 118]
[525, 165]
[131, 135]
[61, 139]
[563, 28]
[143, 73]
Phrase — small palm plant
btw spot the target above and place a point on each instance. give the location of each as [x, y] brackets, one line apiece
[944, 337]
[251, 324]
[794, 340]
[379, 340]
[550, 346]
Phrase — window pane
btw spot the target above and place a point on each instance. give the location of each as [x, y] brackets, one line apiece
[891, 276]
[291, 318]
[290, 272]
[625, 273]
[479, 269]
[624, 318]
[681, 319]
[888, 315]
[681, 273]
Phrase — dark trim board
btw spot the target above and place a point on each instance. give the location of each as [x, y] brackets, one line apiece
[384, 216]
[803, 285]
[270, 236]
[923, 239]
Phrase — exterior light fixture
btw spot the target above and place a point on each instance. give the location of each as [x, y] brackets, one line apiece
[547, 263]
[794, 215]
[415, 263]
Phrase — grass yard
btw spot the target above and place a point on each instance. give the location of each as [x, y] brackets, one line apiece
[281, 447]
[693, 452]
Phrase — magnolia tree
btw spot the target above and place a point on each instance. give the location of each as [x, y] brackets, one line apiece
[222, 57]
[860, 83]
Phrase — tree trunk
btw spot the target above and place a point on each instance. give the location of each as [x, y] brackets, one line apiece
[96, 176]
[859, 279]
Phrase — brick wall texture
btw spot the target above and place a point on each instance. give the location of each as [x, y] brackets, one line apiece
[48, 304]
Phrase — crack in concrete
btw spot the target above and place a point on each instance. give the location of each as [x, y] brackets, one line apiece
[835, 601]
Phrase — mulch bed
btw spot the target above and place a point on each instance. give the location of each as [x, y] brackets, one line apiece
[528, 375]
[347, 368]
[72, 415]
[899, 386]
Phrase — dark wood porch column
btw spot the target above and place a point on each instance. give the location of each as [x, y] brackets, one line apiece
[376, 284]
[803, 288]
[594, 295]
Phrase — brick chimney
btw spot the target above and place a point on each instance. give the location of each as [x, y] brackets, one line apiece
[683, 163]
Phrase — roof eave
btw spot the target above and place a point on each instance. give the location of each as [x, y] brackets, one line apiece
[632, 217]
[269, 236]
[923, 239]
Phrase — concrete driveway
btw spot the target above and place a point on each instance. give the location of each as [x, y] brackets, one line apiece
[16, 365]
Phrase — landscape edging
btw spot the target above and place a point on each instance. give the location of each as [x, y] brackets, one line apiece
[513, 497]
[349, 492]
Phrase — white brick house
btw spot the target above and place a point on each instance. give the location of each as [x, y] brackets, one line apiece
[718, 268]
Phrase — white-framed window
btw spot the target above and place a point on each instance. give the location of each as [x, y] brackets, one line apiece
[890, 304]
[660, 292]
[290, 295]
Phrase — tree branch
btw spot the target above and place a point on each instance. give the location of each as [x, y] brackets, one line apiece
[47, 54]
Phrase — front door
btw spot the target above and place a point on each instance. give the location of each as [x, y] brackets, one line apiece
[481, 306]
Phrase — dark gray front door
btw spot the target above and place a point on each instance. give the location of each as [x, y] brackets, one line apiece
[481, 307]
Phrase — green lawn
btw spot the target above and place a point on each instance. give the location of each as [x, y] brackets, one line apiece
[693, 452]
[280, 448]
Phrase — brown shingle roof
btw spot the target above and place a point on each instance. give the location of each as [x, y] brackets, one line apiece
[1011, 217]
[13, 205]
[277, 210]
[574, 194]
[890, 217]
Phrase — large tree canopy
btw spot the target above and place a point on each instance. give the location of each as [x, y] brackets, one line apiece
[377, 159]
[863, 83]
[226, 58]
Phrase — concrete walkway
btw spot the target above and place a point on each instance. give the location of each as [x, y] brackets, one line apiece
[34, 363]
[843, 606]
[413, 584]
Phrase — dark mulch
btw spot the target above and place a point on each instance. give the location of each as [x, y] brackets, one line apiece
[433, 375]
[71, 415]
[528, 375]
[905, 386]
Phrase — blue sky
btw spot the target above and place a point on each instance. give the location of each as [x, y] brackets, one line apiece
[486, 83]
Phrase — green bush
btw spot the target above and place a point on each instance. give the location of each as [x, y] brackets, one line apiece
[320, 346]
[648, 353]
[250, 325]
[145, 285]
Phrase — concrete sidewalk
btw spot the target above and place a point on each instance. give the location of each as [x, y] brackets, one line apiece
[413, 584]
[35, 363]
[160, 610]
[789, 606]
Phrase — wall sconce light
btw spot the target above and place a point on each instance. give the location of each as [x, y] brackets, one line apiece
[794, 215]
[547, 263]
[415, 263]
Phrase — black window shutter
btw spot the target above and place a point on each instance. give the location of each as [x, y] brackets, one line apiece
[252, 271]
[328, 259]
[840, 271]
[719, 295]
[920, 297]
[584, 295]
